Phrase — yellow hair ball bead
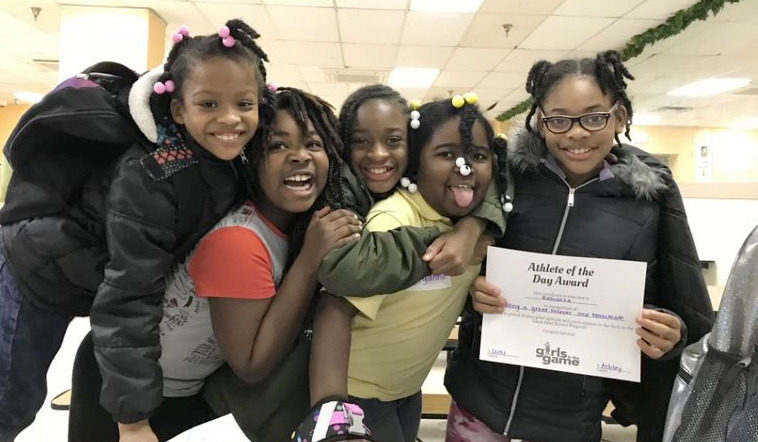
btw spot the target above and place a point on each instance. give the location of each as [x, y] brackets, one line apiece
[471, 98]
[458, 101]
[415, 103]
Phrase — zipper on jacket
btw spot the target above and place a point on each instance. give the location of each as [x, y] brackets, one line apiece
[569, 205]
[515, 400]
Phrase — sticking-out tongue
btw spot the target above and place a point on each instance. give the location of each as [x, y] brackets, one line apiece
[463, 196]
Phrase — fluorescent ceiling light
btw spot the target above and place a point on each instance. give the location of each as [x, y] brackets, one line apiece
[413, 77]
[28, 97]
[710, 86]
[445, 5]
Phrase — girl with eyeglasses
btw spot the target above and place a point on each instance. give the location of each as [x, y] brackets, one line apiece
[580, 192]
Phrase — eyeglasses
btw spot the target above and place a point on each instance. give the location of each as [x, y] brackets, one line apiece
[591, 122]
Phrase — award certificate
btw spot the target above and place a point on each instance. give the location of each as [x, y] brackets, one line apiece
[565, 313]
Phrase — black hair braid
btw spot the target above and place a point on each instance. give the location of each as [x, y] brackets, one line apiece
[242, 32]
[611, 74]
[356, 99]
[466, 126]
[534, 87]
[500, 148]
[160, 104]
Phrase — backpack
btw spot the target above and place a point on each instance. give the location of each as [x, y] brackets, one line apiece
[715, 394]
[79, 128]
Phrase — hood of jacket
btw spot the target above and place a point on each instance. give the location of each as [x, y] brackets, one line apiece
[139, 103]
[641, 171]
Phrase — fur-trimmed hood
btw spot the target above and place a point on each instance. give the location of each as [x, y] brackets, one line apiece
[632, 166]
[139, 103]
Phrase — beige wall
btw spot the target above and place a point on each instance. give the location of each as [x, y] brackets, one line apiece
[9, 116]
[734, 152]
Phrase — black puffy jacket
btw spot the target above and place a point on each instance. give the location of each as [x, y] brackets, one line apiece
[637, 214]
[108, 254]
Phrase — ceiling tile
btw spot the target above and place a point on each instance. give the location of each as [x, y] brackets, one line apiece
[564, 32]
[311, 73]
[521, 60]
[618, 34]
[741, 12]
[373, 4]
[306, 24]
[502, 80]
[364, 55]
[434, 29]
[525, 7]
[314, 3]
[739, 36]
[423, 56]
[486, 30]
[311, 54]
[370, 26]
[659, 10]
[476, 59]
[464, 79]
[412, 93]
[596, 8]
[329, 89]
[283, 74]
[255, 15]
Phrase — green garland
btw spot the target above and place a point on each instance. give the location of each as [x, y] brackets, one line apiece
[634, 47]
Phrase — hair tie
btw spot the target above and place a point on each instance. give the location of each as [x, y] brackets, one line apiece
[226, 36]
[180, 33]
[415, 114]
[471, 98]
[161, 88]
[463, 168]
[406, 182]
[458, 101]
[507, 203]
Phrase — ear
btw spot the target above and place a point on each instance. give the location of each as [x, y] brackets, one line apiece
[177, 111]
[537, 124]
[620, 117]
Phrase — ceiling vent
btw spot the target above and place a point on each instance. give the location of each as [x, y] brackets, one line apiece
[47, 63]
[356, 76]
[675, 109]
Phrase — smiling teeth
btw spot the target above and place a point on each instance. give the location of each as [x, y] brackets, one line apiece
[463, 186]
[227, 137]
[299, 178]
[378, 170]
[580, 151]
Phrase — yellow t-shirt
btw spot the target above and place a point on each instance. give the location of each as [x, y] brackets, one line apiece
[397, 337]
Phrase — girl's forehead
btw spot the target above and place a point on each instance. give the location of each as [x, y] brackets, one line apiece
[575, 92]
[380, 108]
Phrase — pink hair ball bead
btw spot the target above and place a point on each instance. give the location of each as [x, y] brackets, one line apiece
[184, 30]
[170, 86]
[177, 37]
[223, 31]
[159, 88]
[228, 41]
